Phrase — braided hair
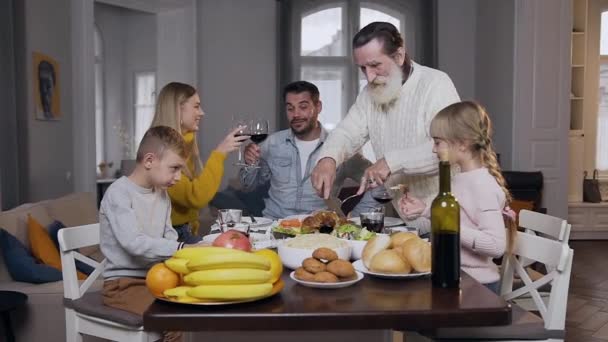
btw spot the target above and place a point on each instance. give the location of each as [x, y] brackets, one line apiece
[469, 123]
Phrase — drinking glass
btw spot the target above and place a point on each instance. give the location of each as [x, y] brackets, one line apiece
[373, 221]
[382, 195]
[241, 122]
[259, 133]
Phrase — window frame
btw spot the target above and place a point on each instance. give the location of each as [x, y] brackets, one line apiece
[592, 97]
[291, 34]
[602, 173]
[100, 130]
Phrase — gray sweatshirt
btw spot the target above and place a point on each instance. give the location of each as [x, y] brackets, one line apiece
[135, 229]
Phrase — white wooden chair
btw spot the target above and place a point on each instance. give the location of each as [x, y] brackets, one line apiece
[525, 326]
[545, 225]
[85, 312]
[557, 258]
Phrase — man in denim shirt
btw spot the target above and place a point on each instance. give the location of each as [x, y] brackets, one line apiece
[286, 159]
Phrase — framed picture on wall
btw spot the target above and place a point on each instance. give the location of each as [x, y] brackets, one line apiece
[47, 97]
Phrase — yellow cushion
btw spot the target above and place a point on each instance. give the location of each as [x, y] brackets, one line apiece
[42, 247]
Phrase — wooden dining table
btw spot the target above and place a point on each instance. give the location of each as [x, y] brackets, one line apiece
[372, 303]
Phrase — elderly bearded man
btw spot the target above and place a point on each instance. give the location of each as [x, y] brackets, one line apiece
[393, 112]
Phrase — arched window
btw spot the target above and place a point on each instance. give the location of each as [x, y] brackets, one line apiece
[320, 41]
[99, 97]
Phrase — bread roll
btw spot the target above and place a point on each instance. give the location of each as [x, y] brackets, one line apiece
[417, 252]
[374, 245]
[399, 238]
[388, 261]
[399, 250]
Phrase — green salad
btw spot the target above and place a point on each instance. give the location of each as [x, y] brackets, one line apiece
[352, 231]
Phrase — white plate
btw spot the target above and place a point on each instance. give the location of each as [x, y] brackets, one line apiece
[360, 266]
[262, 223]
[258, 240]
[396, 229]
[327, 285]
[388, 221]
[291, 217]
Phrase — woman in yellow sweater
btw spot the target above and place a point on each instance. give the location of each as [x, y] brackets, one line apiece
[179, 106]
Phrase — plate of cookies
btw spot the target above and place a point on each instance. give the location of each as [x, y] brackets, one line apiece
[325, 270]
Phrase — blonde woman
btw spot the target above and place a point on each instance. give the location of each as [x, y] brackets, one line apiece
[179, 106]
[487, 226]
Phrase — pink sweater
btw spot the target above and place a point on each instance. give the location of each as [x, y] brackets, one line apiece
[482, 228]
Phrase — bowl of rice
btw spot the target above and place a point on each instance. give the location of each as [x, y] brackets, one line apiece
[294, 251]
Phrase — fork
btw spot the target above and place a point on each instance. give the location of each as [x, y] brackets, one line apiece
[347, 198]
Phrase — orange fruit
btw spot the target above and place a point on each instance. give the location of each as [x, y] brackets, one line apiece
[276, 266]
[161, 278]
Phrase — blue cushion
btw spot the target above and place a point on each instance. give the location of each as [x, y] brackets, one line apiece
[21, 264]
[53, 229]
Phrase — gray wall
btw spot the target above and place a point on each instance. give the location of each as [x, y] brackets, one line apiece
[176, 49]
[457, 41]
[237, 67]
[476, 47]
[9, 170]
[495, 70]
[129, 41]
[45, 147]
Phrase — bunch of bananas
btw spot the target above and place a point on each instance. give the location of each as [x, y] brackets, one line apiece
[220, 274]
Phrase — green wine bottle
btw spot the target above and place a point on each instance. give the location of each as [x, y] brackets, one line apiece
[445, 231]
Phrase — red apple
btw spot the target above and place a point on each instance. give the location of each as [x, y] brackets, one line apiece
[233, 239]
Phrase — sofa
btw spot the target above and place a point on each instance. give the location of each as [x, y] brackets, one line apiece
[43, 318]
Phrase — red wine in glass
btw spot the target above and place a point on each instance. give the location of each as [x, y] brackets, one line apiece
[259, 138]
[373, 225]
[383, 198]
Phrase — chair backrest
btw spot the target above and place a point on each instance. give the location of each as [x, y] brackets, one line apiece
[70, 240]
[557, 257]
[549, 226]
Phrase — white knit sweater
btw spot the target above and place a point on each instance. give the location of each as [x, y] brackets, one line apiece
[400, 135]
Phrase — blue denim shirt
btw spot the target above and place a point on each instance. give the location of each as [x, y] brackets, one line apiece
[291, 192]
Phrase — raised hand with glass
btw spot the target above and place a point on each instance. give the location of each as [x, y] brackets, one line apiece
[258, 133]
[241, 127]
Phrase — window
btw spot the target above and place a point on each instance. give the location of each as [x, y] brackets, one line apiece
[145, 98]
[321, 35]
[99, 98]
[602, 117]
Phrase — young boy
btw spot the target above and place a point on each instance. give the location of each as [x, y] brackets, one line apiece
[135, 220]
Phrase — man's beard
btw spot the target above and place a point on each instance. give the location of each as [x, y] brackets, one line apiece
[386, 90]
[310, 125]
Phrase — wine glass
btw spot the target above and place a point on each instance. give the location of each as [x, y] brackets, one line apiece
[242, 123]
[382, 195]
[259, 133]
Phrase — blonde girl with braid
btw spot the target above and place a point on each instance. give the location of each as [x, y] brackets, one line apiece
[179, 107]
[487, 227]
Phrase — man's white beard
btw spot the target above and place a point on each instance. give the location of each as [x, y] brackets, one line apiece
[385, 91]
